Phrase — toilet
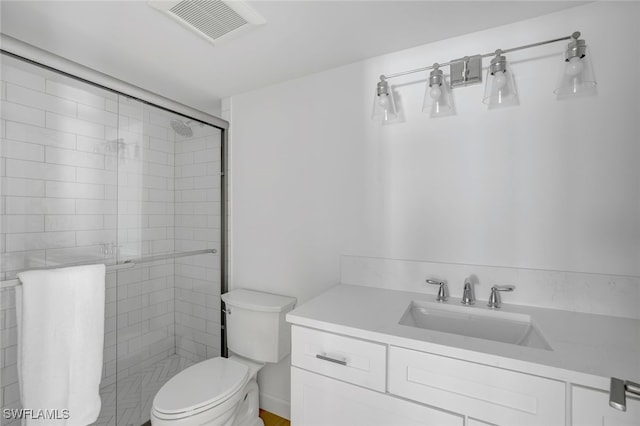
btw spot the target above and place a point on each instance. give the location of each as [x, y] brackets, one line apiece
[224, 391]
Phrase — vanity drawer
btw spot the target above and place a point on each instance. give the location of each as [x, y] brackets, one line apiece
[483, 393]
[321, 401]
[345, 358]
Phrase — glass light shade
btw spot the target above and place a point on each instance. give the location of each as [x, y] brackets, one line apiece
[438, 100]
[500, 89]
[384, 107]
[576, 77]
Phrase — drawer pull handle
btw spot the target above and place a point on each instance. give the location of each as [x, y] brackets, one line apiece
[327, 358]
[618, 391]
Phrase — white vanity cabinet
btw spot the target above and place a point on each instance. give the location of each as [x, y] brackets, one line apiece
[486, 395]
[345, 385]
[356, 363]
[590, 407]
[340, 380]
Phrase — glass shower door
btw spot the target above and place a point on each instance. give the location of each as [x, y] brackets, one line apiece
[168, 205]
[57, 197]
[91, 176]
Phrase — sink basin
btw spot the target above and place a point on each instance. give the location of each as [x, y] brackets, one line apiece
[505, 327]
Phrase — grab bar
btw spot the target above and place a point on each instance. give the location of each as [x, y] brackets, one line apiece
[130, 263]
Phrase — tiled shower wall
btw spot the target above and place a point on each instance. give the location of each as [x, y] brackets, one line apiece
[58, 195]
[88, 175]
[59, 183]
[197, 278]
[145, 205]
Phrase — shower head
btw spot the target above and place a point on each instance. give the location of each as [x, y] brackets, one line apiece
[182, 128]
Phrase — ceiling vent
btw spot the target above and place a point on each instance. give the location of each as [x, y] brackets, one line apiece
[215, 20]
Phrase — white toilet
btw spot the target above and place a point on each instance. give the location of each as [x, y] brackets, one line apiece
[223, 391]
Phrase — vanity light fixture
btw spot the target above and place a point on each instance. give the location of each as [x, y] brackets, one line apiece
[437, 96]
[577, 79]
[384, 107]
[500, 89]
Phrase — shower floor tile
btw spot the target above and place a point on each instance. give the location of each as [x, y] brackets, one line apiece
[135, 393]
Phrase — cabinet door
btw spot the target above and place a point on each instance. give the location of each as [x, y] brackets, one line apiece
[485, 394]
[321, 401]
[590, 407]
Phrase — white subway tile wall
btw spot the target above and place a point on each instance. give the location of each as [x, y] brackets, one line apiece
[197, 279]
[87, 175]
[54, 162]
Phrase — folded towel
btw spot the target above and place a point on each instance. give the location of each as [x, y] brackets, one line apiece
[60, 319]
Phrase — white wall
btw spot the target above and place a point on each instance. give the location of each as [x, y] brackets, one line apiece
[547, 185]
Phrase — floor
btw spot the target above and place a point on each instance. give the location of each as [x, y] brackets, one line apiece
[271, 419]
[136, 392]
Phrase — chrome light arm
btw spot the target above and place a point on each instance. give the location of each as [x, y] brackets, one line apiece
[443, 291]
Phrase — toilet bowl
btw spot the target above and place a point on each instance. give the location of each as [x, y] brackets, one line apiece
[224, 391]
[217, 392]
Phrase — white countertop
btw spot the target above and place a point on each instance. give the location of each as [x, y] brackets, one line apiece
[587, 349]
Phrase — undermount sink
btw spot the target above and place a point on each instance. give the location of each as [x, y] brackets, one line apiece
[505, 327]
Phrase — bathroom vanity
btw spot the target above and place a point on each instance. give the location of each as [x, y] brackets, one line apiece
[369, 356]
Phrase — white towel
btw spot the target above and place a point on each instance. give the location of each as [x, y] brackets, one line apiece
[60, 319]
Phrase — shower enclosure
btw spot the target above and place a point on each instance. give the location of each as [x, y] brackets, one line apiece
[92, 175]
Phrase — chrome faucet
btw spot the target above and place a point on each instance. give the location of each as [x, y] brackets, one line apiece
[467, 293]
[443, 291]
[494, 298]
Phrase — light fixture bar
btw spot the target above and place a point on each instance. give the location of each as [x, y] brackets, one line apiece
[574, 36]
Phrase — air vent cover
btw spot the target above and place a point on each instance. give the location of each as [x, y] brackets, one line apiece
[215, 20]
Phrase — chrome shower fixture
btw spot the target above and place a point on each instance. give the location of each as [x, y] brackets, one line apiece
[182, 127]
[577, 79]
[119, 148]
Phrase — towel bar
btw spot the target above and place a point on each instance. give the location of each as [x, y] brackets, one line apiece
[130, 263]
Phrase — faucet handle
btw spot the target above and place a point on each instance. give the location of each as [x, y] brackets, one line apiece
[443, 293]
[494, 297]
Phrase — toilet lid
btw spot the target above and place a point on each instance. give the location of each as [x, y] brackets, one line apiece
[202, 384]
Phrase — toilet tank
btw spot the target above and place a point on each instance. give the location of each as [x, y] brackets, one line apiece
[256, 326]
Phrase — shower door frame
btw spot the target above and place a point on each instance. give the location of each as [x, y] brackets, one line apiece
[31, 54]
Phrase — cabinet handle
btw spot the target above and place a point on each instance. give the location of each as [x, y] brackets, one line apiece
[618, 390]
[326, 358]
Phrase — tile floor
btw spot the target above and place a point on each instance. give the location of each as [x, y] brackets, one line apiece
[136, 392]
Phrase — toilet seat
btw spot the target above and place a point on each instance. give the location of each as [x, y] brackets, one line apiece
[200, 387]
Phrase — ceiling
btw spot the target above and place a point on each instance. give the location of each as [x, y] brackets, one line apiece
[133, 42]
